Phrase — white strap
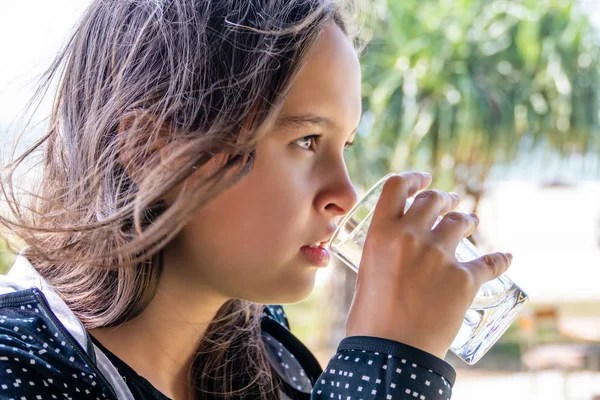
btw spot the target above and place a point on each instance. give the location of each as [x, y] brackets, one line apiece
[112, 375]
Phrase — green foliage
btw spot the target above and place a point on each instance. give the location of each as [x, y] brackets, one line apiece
[307, 318]
[6, 257]
[454, 87]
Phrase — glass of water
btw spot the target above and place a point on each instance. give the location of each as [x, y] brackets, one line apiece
[494, 308]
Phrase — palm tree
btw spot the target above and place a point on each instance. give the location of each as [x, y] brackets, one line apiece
[456, 87]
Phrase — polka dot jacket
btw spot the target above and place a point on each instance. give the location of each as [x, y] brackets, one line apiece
[45, 353]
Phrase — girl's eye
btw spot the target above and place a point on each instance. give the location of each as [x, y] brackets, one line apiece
[307, 142]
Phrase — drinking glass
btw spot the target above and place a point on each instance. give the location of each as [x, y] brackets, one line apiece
[494, 308]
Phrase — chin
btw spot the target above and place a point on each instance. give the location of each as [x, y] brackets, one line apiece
[294, 297]
[291, 290]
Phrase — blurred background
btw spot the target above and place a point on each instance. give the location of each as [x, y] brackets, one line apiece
[500, 101]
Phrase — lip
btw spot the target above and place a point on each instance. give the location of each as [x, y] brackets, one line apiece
[326, 238]
[317, 256]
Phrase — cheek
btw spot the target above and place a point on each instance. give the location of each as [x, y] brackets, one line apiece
[268, 210]
[246, 244]
[261, 219]
[258, 215]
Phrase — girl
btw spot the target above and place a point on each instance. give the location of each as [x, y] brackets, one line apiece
[193, 170]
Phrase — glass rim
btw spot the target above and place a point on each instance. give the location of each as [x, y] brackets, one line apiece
[344, 219]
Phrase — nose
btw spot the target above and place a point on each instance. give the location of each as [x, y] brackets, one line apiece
[338, 197]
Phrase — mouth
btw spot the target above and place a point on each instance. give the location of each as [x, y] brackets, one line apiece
[317, 245]
[316, 255]
[324, 240]
[317, 252]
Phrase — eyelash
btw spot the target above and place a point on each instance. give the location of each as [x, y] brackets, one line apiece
[316, 138]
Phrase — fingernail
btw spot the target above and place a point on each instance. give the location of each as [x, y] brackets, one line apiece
[509, 255]
[454, 194]
[427, 174]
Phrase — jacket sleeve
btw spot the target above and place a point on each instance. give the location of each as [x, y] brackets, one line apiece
[377, 368]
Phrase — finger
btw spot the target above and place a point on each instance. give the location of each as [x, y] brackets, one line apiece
[396, 189]
[453, 228]
[489, 266]
[428, 205]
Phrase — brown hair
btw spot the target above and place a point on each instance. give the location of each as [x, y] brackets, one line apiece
[133, 70]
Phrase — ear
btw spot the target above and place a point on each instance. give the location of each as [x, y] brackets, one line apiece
[142, 142]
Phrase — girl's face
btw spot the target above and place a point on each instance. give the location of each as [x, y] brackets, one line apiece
[246, 243]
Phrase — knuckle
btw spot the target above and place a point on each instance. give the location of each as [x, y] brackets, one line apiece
[455, 216]
[430, 195]
[436, 253]
[408, 238]
[464, 279]
[394, 183]
[491, 262]
[503, 262]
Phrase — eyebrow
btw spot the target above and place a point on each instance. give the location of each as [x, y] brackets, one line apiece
[307, 121]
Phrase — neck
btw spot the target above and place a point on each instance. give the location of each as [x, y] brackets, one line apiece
[160, 343]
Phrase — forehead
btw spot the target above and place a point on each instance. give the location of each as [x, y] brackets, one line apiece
[328, 84]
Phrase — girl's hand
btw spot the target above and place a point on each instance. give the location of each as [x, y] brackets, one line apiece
[410, 286]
